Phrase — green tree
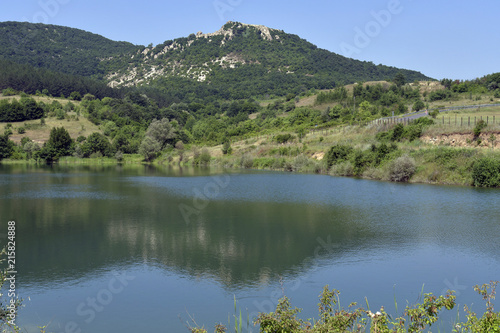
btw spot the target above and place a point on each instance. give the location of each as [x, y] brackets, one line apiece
[149, 148]
[97, 143]
[365, 110]
[161, 131]
[418, 105]
[6, 147]
[226, 148]
[60, 141]
[30, 148]
[399, 79]
[75, 95]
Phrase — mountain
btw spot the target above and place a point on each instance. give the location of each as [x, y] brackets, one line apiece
[61, 49]
[237, 61]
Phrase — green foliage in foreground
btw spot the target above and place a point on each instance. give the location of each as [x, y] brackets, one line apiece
[402, 132]
[486, 172]
[359, 160]
[334, 318]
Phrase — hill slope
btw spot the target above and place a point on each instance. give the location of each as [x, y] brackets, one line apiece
[62, 49]
[238, 61]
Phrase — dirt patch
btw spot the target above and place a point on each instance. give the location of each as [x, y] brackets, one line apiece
[319, 155]
[488, 140]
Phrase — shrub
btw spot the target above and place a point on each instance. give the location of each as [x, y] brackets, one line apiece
[300, 162]
[21, 130]
[30, 148]
[486, 172]
[337, 153]
[60, 114]
[402, 168]
[434, 113]
[418, 105]
[424, 121]
[279, 163]
[246, 161]
[179, 145]
[284, 138]
[481, 124]
[344, 169]
[149, 148]
[119, 156]
[25, 140]
[397, 132]
[97, 142]
[412, 132]
[205, 157]
[226, 148]
[9, 92]
[264, 162]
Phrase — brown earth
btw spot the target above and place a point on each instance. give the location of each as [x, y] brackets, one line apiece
[464, 140]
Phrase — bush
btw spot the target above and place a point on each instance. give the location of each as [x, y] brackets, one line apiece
[205, 157]
[412, 132]
[119, 156]
[344, 169]
[336, 154]
[149, 148]
[246, 161]
[21, 130]
[284, 138]
[264, 162]
[226, 148]
[402, 168]
[397, 132]
[418, 105]
[9, 92]
[434, 113]
[481, 124]
[300, 162]
[6, 147]
[424, 121]
[486, 172]
[97, 142]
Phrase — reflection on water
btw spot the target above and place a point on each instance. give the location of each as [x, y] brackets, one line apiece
[213, 235]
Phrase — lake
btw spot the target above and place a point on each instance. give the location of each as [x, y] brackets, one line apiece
[138, 248]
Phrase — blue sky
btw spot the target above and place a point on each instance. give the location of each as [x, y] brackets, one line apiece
[443, 39]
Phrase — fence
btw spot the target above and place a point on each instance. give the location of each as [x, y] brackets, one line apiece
[455, 121]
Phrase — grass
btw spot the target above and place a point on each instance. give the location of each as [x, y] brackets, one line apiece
[40, 134]
[45, 99]
[262, 152]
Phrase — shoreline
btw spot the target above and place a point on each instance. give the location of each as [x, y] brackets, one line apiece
[233, 163]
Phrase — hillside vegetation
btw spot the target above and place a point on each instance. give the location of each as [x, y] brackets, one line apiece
[245, 96]
[347, 139]
[238, 61]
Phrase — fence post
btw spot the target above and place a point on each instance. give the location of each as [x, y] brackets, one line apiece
[468, 125]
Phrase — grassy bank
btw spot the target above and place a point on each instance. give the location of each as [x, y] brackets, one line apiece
[432, 153]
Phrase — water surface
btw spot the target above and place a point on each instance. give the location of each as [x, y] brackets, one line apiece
[130, 249]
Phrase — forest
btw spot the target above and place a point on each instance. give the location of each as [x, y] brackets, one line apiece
[127, 122]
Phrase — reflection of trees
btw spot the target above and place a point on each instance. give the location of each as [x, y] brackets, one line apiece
[96, 221]
[235, 242]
